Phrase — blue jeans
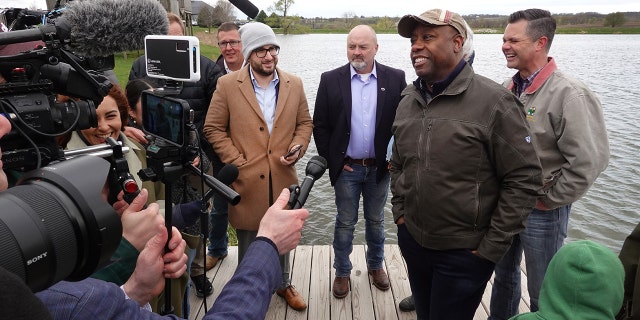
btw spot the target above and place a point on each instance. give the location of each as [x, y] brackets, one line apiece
[348, 188]
[445, 284]
[543, 236]
[218, 238]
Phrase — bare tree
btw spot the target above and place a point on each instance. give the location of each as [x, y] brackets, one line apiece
[350, 19]
[614, 19]
[223, 12]
[206, 18]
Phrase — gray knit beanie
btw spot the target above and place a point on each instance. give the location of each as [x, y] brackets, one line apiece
[255, 35]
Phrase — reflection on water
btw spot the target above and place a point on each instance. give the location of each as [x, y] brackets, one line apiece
[606, 63]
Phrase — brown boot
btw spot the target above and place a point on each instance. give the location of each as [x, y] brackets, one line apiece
[294, 299]
[213, 261]
[340, 287]
[380, 279]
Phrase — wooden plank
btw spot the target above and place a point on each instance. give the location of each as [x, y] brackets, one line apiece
[319, 304]
[340, 308]
[220, 275]
[482, 312]
[397, 271]
[312, 273]
[300, 278]
[278, 306]
[361, 297]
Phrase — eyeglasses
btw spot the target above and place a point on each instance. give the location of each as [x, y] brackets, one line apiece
[262, 52]
[232, 43]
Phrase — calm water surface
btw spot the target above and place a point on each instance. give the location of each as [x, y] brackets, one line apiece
[608, 64]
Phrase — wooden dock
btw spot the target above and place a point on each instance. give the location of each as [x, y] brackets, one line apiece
[312, 274]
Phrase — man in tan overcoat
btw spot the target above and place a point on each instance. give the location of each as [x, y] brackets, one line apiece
[257, 115]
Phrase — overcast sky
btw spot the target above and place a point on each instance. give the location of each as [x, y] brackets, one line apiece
[396, 8]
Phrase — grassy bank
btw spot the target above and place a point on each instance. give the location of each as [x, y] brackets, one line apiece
[559, 30]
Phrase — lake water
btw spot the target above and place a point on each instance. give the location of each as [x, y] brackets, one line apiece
[608, 64]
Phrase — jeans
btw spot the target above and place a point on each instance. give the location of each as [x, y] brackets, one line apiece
[218, 238]
[445, 284]
[348, 188]
[543, 236]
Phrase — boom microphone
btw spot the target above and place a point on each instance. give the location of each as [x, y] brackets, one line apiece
[316, 167]
[216, 185]
[100, 28]
[246, 7]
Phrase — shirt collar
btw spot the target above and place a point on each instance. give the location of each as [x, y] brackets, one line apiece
[226, 66]
[353, 71]
[522, 84]
[439, 86]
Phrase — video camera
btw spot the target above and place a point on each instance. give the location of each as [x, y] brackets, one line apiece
[54, 224]
[31, 79]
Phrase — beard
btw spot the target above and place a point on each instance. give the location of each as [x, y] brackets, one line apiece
[260, 69]
[358, 64]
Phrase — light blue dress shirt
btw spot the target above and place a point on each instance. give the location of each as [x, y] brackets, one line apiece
[364, 98]
[267, 97]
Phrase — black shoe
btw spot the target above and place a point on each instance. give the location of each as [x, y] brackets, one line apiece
[203, 286]
[407, 304]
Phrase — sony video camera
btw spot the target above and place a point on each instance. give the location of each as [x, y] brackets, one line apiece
[30, 81]
[54, 224]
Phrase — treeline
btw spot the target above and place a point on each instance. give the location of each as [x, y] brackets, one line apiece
[476, 21]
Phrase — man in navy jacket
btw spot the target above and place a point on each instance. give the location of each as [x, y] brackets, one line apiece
[355, 107]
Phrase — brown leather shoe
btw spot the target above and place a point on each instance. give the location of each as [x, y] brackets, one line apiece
[294, 299]
[380, 279]
[340, 287]
[213, 261]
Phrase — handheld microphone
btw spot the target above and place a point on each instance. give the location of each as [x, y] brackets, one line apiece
[246, 7]
[316, 167]
[100, 28]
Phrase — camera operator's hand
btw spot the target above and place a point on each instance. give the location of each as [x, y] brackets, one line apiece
[153, 266]
[138, 226]
[282, 226]
[135, 134]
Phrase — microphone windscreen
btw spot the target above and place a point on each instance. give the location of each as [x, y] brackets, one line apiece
[228, 174]
[102, 27]
[316, 167]
[246, 7]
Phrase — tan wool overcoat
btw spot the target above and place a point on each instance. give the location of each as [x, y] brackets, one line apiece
[238, 132]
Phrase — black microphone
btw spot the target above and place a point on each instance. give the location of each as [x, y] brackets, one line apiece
[246, 7]
[100, 28]
[222, 189]
[316, 167]
[228, 174]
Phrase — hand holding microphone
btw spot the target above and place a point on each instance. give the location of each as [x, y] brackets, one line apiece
[316, 167]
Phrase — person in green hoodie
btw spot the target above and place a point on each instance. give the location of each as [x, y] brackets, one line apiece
[584, 281]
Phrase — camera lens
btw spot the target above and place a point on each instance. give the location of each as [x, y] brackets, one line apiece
[56, 226]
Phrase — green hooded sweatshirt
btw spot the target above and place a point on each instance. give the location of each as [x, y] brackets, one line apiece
[584, 281]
